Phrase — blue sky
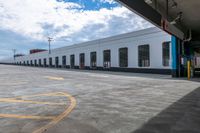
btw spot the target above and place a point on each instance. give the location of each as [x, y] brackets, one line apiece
[26, 24]
[94, 4]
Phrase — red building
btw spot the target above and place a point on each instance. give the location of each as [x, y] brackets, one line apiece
[33, 51]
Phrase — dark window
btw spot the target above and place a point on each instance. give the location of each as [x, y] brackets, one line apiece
[64, 61]
[45, 62]
[57, 61]
[31, 62]
[27, 62]
[24, 63]
[166, 53]
[93, 59]
[82, 60]
[72, 61]
[35, 62]
[143, 56]
[106, 59]
[50, 61]
[123, 57]
[40, 62]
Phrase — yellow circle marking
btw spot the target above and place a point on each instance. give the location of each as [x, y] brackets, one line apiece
[61, 116]
[54, 119]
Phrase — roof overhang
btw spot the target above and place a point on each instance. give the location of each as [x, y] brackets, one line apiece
[174, 16]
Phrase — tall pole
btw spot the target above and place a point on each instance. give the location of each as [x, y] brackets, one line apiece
[14, 52]
[49, 40]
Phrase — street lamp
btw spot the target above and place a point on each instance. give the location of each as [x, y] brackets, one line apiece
[49, 40]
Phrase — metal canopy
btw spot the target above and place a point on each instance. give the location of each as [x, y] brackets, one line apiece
[184, 14]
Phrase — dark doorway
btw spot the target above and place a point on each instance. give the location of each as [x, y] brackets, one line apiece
[50, 62]
[35, 62]
[82, 61]
[45, 62]
[123, 57]
[72, 61]
[57, 62]
[93, 60]
[106, 59]
[31, 63]
[40, 62]
[64, 62]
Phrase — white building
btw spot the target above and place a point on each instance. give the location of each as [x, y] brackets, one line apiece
[146, 51]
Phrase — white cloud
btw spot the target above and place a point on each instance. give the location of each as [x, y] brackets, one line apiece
[40, 18]
[108, 1]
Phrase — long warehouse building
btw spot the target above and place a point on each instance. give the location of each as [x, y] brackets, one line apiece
[146, 51]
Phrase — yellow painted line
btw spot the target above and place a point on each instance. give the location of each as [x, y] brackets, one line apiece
[38, 95]
[54, 119]
[59, 117]
[7, 100]
[54, 78]
[26, 117]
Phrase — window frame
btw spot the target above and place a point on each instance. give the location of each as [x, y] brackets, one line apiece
[45, 62]
[82, 60]
[144, 58]
[72, 63]
[107, 63]
[166, 61]
[40, 62]
[64, 60]
[35, 62]
[125, 57]
[56, 61]
[93, 63]
[50, 61]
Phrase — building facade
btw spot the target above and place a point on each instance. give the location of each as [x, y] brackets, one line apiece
[146, 51]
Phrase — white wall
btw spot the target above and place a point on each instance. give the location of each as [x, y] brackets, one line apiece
[152, 36]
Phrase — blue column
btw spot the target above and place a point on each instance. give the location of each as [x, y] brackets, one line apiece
[174, 52]
[174, 57]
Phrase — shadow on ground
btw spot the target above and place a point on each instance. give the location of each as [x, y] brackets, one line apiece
[181, 117]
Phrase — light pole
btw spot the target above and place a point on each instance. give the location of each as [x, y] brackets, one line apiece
[49, 40]
[14, 52]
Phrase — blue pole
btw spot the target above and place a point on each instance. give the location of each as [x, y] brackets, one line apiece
[174, 54]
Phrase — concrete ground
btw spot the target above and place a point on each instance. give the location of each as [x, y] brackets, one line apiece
[43, 100]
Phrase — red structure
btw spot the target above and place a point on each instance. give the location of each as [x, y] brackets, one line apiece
[18, 55]
[33, 51]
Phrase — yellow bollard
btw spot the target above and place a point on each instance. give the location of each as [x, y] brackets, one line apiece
[188, 70]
